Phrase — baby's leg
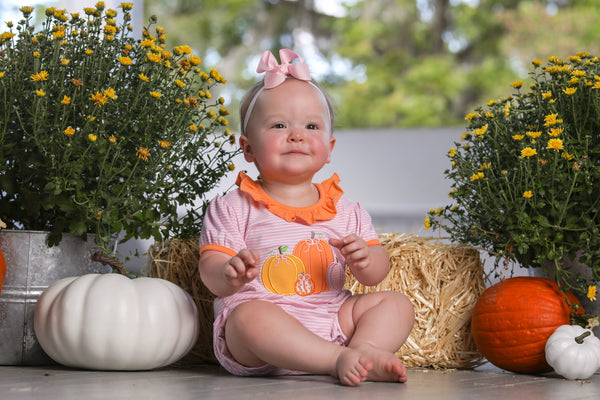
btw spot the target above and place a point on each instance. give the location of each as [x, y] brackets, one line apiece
[259, 333]
[377, 324]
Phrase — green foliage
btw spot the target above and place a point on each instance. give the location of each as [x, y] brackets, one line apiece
[526, 177]
[101, 133]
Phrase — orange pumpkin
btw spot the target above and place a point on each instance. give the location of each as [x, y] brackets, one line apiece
[280, 272]
[316, 254]
[304, 285]
[513, 319]
[2, 269]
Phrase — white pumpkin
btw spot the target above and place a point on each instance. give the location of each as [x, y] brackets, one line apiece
[111, 322]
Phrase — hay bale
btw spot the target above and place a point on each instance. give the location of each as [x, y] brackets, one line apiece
[442, 281]
[176, 260]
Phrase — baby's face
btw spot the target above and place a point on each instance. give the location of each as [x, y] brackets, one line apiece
[288, 135]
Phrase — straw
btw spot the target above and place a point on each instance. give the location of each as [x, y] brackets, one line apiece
[443, 281]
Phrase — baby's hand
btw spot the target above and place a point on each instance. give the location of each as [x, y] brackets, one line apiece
[355, 250]
[242, 268]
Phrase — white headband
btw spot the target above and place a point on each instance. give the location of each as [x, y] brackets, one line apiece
[262, 89]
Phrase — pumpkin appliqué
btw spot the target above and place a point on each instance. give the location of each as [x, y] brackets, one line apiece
[317, 255]
[280, 272]
[304, 285]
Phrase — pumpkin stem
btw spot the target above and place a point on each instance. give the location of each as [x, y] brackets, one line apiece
[110, 261]
[588, 321]
[579, 339]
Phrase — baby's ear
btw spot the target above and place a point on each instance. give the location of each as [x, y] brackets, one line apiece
[246, 148]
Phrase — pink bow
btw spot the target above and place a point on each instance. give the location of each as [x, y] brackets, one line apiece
[276, 73]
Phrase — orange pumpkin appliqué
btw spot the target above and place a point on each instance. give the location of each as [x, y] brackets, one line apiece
[317, 255]
[280, 272]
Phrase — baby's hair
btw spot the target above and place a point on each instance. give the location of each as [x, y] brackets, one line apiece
[254, 91]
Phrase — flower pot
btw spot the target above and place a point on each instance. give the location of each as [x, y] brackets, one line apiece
[589, 306]
[31, 267]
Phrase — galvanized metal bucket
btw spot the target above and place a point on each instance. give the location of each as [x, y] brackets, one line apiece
[31, 266]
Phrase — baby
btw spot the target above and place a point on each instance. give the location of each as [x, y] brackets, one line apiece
[275, 250]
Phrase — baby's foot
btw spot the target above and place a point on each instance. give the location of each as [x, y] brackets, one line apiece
[386, 366]
[352, 367]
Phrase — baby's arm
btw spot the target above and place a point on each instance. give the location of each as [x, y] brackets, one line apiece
[369, 264]
[224, 275]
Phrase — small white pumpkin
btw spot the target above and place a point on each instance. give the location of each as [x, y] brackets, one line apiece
[111, 322]
[573, 352]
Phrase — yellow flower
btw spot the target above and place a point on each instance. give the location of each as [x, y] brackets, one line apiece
[154, 57]
[155, 94]
[193, 128]
[40, 76]
[69, 131]
[112, 139]
[110, 93]
[452, 152]
[537, 63]
[528, 152]
[518, 137]
[66, 100]
[555, 144]
[476, 176]
[143, 153]
[517, 84]
[64, 61]
[470, 116]
[570, 91]
[480, 131]
[556, 131]
[179, 83]
[40, 93]
[36, 54]
[26, 10]
[528, 194]
[534, 135]
[164, 144]
[1, 74]
[591, 294]
[88, 51]
[547, 95]
[195, 60]
[552, 119]
[92, 137]
[110, 30]
[144, 77]
[427, 223]
[99, 99]
[125, 60]
[58, 34]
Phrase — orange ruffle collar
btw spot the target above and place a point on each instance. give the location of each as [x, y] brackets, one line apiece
[322, 210]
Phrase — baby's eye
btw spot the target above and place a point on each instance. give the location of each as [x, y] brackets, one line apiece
[312, 126]
[279, 126]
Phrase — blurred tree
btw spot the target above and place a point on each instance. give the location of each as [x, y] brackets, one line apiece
[407, 62]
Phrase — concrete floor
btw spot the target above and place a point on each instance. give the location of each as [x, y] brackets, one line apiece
[210, 382]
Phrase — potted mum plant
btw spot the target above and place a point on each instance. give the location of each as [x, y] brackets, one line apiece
[105, 134]
[526, 175]
[100, 134]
